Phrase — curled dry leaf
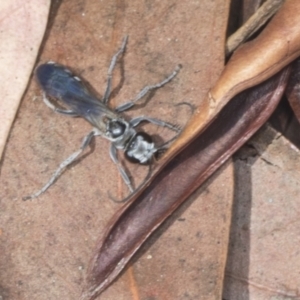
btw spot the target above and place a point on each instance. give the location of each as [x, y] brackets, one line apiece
[251, 64]
[137, 220]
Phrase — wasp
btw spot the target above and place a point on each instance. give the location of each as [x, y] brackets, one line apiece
[59, 83]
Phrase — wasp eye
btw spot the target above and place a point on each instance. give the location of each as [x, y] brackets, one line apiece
[116, 129]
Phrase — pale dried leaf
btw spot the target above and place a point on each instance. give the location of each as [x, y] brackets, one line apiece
[22, 25]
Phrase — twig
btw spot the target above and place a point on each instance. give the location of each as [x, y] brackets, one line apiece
[256, 21]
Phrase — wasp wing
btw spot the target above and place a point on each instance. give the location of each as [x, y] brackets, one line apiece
[59, 83]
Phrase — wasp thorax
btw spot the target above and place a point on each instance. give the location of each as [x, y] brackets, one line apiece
[140, 149]
[115, 129]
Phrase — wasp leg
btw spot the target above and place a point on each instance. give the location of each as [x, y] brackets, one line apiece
[111, 68]
[145, 91]
[136, 121]
[67, 112]
[125, 176]
[86, 141]
[135, 191]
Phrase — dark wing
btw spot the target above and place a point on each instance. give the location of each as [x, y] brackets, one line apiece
[59, 83]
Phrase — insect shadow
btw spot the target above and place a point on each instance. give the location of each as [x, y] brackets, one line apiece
[76, 100]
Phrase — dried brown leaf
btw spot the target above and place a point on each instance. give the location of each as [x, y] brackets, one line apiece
[130, 227]
[47, 243]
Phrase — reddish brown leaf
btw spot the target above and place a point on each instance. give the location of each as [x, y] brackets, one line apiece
[138, 219]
